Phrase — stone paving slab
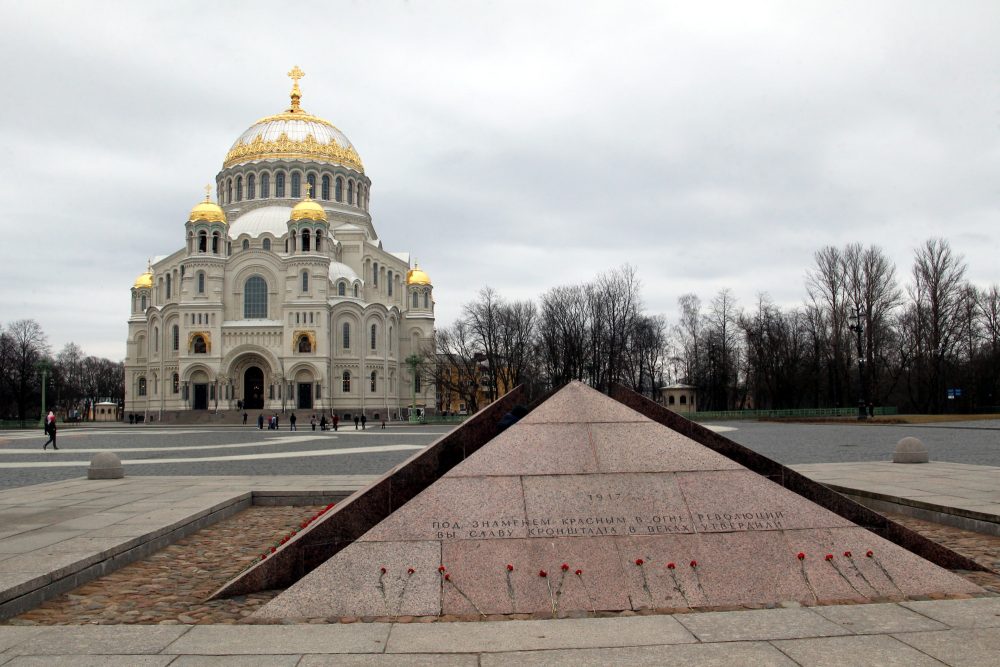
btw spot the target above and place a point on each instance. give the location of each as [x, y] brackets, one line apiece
[763, 624]
[961, 648]
[979, 613]
[237, 661]
[536, 635]
[89, 661]
[880, 650]
[97, 640]
[388, 660]
[758, 654]
[281, 639]
[873, 619]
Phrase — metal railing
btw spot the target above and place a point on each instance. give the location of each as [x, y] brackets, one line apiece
[805, 413]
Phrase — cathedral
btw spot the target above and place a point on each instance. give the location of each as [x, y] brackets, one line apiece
[282, 297]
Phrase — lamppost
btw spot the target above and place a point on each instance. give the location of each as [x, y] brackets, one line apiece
[43, 369]
[858, 329]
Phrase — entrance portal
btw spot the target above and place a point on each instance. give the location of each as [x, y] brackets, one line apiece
[201, 397]
[253, 389]
[305, 396]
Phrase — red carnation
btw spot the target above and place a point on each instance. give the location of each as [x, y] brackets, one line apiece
[303, 524]
[828, 557]
[383, 570]
[579, 572]
[870, 553]
[284, 539]
[801, 556]
[670, 566]
[441, 568]
[410, 570]
[694, 563]
[330, 506]
[564, 566]
[543, 573]
[510, 568]
[263, 556]
[639, 561]
[447, 577]
[847, 554]
[273, 549]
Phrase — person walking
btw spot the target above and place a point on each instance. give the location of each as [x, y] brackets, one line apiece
[356, 422]
[364, 420]
[244, 418]
[336, 420]
[322, 423]
[312, 422]
[260, 422]
[50, 430]
[291, 422]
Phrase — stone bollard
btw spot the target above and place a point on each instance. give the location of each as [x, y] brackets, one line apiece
[910, 450]
[105, 465]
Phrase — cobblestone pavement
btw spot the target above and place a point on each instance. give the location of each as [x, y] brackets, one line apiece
[170, 587]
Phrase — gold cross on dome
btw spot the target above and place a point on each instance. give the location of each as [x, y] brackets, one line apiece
[208, 192]
[309, 188]
[295, 74]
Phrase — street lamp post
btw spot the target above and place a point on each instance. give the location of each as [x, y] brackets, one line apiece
[858, 329]
[43, 368]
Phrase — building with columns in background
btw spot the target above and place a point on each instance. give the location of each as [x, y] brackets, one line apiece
[282, 296]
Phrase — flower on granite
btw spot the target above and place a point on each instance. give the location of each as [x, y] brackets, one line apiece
[304, 524]
[694, 563]
[330, 506]
[579, 573]
[543, 574]
[447, 577]
[510, 568]
[383, 570]
[801, 556]
[564, 566]
[639, 561]
[410, 570]
[273, 549]
[847, 554]
[828, 557]
[441, 568]
[870, 553]
[671, 566]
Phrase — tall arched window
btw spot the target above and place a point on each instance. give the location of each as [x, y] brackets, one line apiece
[414, 299]
[168, 285]
[265, 185]
[325, 193]
[175, 335]
[215, 244]
[375, 274]
[246, 244]
[350, 192]
[355, 291]
[346, 335]
[142, 302]
[156, 339]
[388, 282]
[202, 241]
[255, 299]
[374, 333]
[142, 386]
[341, 289]
[305, 240]
[345, 382]
[296, 185]
[229, 189]
[373, 377]
[390, 339]
[266, 244]
[279, 184]
[239, 188]
[319, 239]
[426, 300]
[176, 383]
[251, 186]
[312, 192]
[201, 282]
[339, 190]
[305, 281]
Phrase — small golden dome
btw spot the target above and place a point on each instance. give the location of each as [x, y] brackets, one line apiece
[207, 210]
[308, 209]
[417, 277]
[145, 281]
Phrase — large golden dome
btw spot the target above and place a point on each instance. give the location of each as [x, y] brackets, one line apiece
[207, 210]
[416, 276]
[308, 209]
[144, 281]
[294, 134]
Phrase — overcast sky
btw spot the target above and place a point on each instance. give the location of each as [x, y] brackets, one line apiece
[519, 145]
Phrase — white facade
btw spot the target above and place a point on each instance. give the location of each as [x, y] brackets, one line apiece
[279, 300]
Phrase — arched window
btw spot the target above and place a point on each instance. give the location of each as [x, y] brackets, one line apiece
[390, 339]
[246, 244]
[388, 282]
[199, 346]
[304, 344]
[339, 190]
[279, 184]
[142, 386]
[215, 244]
[156, 339]
[266, 244]
[168, 285]
[296, 185]
[341, 289]
[229, 189]
[251, 186]
[202, 242]
[265, 185]
[175, 335]
[142, 302]
[426, 300]
[374, 333]
[201, 282]
[414, 299]
[375, 274]
[373, 381]
[319, 238]
[345, 382]
[346, 335]
[312, 191]
[325, 193]
[255, 299]
[239, 188]
[684, 399]
[350, 192]
[305, 281]
[176, 383]
[305, 240]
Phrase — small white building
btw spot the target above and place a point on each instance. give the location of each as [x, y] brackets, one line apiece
[680, 397]
[106, 411]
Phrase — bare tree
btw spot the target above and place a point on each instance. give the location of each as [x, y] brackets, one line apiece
[28, 345]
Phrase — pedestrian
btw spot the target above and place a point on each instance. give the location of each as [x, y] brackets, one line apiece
[245, 418]
[312, 422]
[50, 430]
[383, 424]
[276, 421]
[356, 422]
[239, 404]
[336, 420]
[291, 422]
[322, 423]
[260, 422]
[364, 420]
